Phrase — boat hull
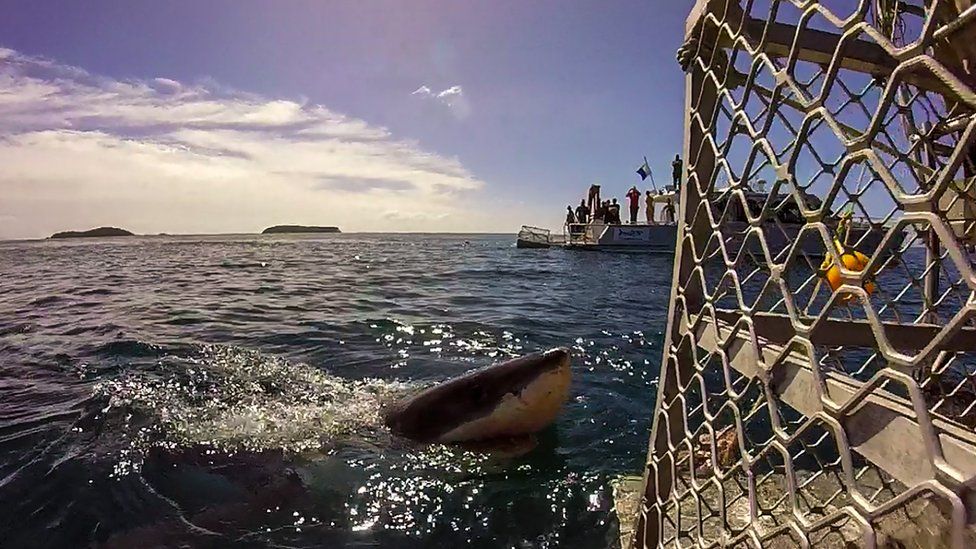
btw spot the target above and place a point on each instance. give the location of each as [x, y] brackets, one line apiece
[647, 238]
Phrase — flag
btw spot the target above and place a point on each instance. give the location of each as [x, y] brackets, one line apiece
[644, 171]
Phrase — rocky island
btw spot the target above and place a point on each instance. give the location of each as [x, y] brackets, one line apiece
[291, 229]
[93, 233]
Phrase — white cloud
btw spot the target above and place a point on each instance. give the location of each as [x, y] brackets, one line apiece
[451, 93]
[409, 216]
[453, 98]
[81, 150]
[165, 85]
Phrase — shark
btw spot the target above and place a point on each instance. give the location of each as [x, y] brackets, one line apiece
[511, 399]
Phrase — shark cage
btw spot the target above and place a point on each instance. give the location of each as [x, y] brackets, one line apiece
[818, 382]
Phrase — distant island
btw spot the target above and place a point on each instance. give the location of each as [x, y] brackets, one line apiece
[287, 229]
[93, 233]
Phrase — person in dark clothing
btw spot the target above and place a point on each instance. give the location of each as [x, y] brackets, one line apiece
[649, 207]
[582, 213]
[634, 196]
[601, 212]
[613, 213]
[669, 210]
[676, 171]
[573, 223]
[593, 199]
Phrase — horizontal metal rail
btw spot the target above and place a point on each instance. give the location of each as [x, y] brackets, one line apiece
[877, 426]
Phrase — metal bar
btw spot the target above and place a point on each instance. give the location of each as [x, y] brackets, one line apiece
[817, 46]
[814, 46]
[701, 102]
[878, 427]
[932, 247]
[778, 329]
[701, 8]
[822, 48]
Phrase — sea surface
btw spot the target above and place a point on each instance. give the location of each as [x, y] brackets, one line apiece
[225, 390]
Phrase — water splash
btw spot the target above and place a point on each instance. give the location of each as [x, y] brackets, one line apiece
[234, 399]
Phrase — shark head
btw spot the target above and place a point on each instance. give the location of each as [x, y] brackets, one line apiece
[513, 398]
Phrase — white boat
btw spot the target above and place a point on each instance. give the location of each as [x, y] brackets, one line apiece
[597, 235]
[600, 236]
[780, 233]
[637, 237]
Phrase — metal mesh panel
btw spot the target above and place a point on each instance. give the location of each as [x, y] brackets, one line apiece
[818, 383]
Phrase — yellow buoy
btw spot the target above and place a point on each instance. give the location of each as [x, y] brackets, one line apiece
[852, 260]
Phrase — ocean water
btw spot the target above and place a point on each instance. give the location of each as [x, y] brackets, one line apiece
[224, 391]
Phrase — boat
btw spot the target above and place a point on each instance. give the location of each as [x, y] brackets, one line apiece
[597, 235]
[779, 232]
[636, 237]
[601, 236]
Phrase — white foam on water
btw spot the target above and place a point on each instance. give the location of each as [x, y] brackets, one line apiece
[234, 399]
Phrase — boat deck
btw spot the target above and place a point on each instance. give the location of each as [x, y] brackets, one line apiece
[599, 236]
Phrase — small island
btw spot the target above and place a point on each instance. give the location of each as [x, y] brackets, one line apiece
[93, 233]
[292, 229]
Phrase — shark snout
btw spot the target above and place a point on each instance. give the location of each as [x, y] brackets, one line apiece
[558, 358]
[560, 354]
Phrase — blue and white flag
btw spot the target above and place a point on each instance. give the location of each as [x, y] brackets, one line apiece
[644, 171]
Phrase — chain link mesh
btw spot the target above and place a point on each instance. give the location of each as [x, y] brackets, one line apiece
[818, 384]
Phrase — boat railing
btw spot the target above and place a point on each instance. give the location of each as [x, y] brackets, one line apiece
[583, 233]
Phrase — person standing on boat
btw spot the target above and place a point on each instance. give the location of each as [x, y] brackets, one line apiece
[649, 207]
[602, 212]
[669, 210]
[593, 199]
[572, 226]
[676, 171]
[614, 213]
[634, 196]
[582, 213]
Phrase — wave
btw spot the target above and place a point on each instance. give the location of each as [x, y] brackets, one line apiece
[46, 300]
[128, 348]
[235, 399]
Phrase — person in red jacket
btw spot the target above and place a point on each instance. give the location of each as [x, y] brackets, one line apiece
[634, 196]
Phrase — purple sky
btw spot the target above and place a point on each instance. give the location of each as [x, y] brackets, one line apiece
[225, 116]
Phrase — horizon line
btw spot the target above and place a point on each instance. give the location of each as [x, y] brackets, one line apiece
[165, 235]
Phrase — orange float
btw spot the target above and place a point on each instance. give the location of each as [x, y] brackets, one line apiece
[852, 260]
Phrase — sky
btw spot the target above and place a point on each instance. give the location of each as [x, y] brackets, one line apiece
[373, 115]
